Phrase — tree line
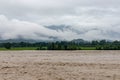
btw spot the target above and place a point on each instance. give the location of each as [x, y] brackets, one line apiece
[65, 45]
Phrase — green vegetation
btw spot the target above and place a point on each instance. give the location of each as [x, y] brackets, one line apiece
[7, 45]
[19, 48]
[63, 45]
[88, 48]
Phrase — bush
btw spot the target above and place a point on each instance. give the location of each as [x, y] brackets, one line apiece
[7, 45]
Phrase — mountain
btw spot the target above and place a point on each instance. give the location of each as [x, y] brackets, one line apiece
[58, 27]
[34, 41]
[18, 40]
[79, 41]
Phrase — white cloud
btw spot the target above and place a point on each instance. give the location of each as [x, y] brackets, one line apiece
[87, 19]
[12, 29]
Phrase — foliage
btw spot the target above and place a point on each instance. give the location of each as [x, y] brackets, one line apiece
[63, 45]
[7, 45]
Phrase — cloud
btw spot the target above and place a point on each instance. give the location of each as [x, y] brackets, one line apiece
[85, 19]
[13, 29]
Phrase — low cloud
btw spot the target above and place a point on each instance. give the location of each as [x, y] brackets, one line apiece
[13, 29]
[84, 19]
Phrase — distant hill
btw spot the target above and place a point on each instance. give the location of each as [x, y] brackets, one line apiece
[79, 41]
[34, 41]
[19, 40]
[58, 27]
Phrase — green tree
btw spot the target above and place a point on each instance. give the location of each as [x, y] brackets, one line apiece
[7, 45]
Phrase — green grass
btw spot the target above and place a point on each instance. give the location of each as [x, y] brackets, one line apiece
[88, 48]
[34, 48]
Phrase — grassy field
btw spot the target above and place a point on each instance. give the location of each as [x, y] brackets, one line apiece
[88, 48]
[34, 48]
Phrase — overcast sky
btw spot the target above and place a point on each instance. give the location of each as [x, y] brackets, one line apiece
[86, 19]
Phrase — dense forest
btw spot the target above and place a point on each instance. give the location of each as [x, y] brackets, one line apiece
[65, 45]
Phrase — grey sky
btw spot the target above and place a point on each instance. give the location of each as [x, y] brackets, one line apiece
[87, 19]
